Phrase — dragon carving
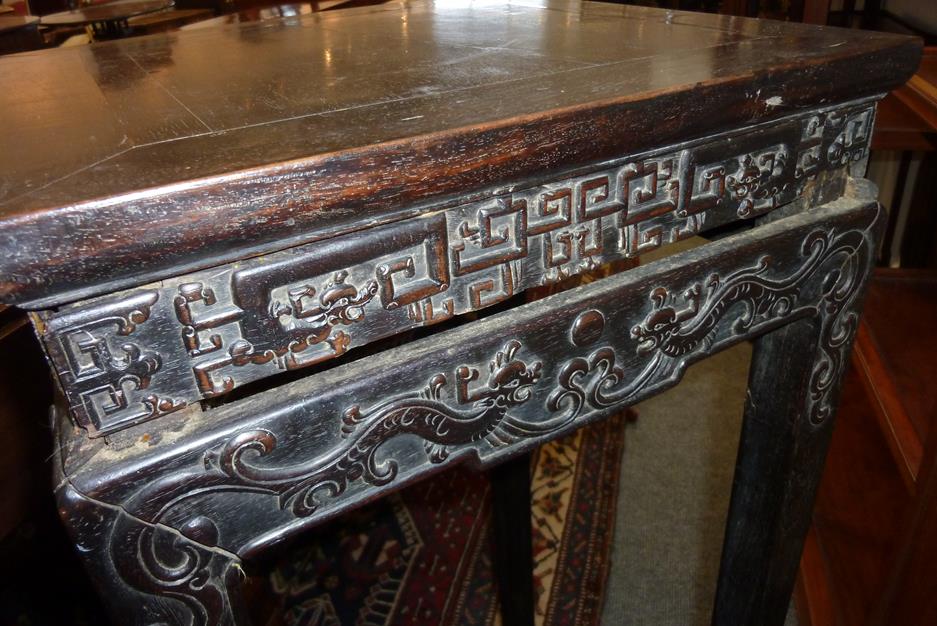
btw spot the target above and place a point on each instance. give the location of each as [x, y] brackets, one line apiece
[677, 332]
[339, 303]
[672, 334]
[477, 415]
[177, 564]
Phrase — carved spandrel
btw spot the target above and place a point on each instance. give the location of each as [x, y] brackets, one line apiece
[310, 304]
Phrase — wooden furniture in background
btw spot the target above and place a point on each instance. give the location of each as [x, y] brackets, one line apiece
[906, 122]
[919, 94]
[216, 275]
[919, 243]
[167, 20]
[19, 32]
[869, 559]
[24, 393]
[107, 21]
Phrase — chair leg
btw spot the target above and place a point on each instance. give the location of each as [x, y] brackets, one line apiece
[511, 525]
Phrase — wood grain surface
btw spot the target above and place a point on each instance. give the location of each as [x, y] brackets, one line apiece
[132, 160]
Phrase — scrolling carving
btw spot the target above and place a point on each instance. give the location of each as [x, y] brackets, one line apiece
[180, 566]
[194, 582]
[183, 564]
[476, 414]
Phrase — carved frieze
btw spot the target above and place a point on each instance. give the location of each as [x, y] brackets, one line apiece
[212, 331]
[261, 469]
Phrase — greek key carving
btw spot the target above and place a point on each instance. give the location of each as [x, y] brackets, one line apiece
[188, 294]
[498, 233]
[223, 328]
[106, 375]
[852, 142]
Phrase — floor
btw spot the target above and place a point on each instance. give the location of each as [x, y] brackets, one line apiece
[674, 494]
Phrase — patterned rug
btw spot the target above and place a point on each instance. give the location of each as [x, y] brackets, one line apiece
[423, 555]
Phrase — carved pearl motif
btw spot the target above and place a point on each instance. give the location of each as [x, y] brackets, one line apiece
[587, 328]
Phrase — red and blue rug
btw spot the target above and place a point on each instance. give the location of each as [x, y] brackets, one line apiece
[423, 556]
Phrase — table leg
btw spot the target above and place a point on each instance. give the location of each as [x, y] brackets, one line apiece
[111, 29]
[793, 391]
[511, 526]
[150, 574]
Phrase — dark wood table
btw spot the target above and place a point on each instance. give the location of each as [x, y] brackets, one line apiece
[19, 32]
[286, 12]
[226, 236]
[107, 21]
[16, 22]
[10, 23]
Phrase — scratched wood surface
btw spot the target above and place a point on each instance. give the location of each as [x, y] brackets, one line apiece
[133, 160]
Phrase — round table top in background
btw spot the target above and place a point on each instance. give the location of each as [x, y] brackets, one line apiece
[112, 11]
[12, 22]
[281, 11]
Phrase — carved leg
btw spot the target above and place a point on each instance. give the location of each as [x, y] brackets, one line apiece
[793, 392]
[150, 574]
[513, 559]
[781, 456]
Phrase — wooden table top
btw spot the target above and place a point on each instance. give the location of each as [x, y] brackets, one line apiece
[12, 22]
[112, 11]
[129, 160]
